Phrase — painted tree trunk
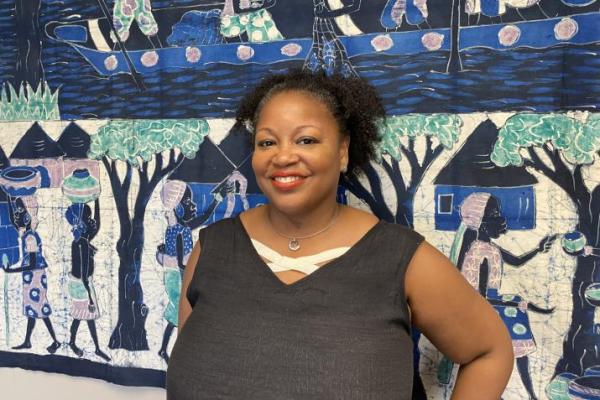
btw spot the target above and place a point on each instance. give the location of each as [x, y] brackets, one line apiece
[130, 331]
[582, 342]
[29, 43]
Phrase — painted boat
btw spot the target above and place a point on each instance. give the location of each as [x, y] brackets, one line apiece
[91, 39]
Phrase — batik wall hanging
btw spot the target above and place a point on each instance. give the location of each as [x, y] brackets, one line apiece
[116, 146]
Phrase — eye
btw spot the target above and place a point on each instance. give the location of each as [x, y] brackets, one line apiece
[265, 143]
[307, 140]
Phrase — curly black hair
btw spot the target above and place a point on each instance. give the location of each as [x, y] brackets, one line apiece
[353, 102]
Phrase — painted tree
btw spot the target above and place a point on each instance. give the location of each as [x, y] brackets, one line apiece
[562, 148]
[399, 137]
[153, 149]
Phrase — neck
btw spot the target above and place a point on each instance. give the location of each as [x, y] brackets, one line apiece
[302, 224]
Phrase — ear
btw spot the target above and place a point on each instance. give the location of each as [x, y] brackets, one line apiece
[344, 152]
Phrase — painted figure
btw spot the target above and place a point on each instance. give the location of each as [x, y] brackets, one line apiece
[414, 11]
[481, 263]
[327, 52]
[174, 253]
[23, 215]
[250, 17]
[84, 305]
[126, 11]
[236, 178]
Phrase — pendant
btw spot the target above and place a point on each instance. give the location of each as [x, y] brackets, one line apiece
[293, 244]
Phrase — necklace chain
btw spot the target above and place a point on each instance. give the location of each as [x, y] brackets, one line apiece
[294, 241]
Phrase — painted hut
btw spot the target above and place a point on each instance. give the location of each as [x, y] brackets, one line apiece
[471, 170]
[36, 149]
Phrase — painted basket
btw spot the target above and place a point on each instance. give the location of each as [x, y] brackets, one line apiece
[20, 180]
[81, 187]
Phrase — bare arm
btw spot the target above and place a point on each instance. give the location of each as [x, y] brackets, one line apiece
[460, 323]
[185, 309]
[517, 261]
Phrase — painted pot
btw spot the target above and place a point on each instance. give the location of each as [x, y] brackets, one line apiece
[558, 388]
[20, 180]
[81, 187]
[573, 242]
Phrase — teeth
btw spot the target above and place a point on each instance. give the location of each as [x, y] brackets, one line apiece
[286, 179]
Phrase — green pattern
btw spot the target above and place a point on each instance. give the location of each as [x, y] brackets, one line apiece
[578, 141]
[135, 141]
[258, 25]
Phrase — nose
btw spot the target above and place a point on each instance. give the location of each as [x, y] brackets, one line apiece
[285, 155]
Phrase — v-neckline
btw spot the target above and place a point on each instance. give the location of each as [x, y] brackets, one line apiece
[265, 270]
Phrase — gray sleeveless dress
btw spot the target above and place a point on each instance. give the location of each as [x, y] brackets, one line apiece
[342, 332]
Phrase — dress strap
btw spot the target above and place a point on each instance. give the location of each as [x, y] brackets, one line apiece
[306, 264]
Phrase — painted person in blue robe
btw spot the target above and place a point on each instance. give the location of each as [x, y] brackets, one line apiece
[174, 253]
[84, 305]
[23, 215]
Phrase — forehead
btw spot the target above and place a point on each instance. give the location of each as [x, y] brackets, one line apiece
[295, 103]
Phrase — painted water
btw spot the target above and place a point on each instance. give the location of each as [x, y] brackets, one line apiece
[557, 78]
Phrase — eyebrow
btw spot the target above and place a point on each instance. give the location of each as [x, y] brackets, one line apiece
[297, 129]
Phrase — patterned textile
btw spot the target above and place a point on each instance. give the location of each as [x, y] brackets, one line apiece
[258, 25]
[126, 11]
[80, 302]
[35, 300]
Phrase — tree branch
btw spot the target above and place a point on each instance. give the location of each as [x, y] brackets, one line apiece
[416, 170]
[357, 189]
[119, 196]
[127, 179]
[394, 173]
[536, 163]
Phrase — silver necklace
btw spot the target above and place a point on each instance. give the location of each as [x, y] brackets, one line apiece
[294, 241]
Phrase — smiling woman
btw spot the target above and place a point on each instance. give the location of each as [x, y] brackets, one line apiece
[306, 298]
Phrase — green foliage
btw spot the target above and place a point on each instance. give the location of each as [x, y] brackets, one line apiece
[135, 140]
[28, 104]
[578, 141]
[443, 127]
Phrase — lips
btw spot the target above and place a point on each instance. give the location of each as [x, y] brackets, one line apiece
[287, 181]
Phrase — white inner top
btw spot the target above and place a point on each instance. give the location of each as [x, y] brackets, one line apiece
[306, 264]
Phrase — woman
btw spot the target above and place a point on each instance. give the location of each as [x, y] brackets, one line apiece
[306, 298]
[481, 261]
[84, 306]
[175, 252]
[23, 215]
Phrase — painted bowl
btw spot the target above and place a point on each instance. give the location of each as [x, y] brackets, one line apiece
[558, 388]
[573, 242]
[20, 180]
[586, 387]
[592, 294]
[81, 187]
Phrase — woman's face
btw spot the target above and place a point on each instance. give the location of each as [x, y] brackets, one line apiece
[493, 221]
[298, 152]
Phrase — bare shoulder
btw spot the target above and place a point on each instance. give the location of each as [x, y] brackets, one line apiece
[355, 222]
[253, 219]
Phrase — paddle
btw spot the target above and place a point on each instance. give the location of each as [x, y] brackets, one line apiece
[134, 74]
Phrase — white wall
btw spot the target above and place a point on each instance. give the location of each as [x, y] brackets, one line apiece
[21, 384]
